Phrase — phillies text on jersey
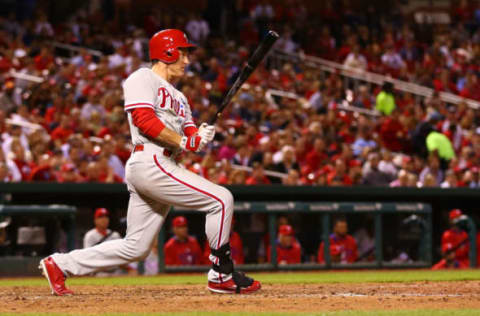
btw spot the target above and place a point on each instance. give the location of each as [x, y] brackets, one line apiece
[145, 89]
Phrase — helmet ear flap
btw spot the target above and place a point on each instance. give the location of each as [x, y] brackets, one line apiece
[172, 55]
[164, 45]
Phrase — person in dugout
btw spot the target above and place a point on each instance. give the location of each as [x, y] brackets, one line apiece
[236, 248]
[449, 261]
[182, 249]
[478, 249]
[289, 250]
[457, 237]
[343, 247]
[101, 233]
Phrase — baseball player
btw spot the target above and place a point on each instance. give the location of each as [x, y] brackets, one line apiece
[449, 261]
[182, 249]
[161, 126]
[343, 247]
[289, 250]
[101, 233]
[457, 237]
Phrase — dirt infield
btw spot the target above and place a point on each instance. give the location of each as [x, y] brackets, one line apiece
[272, 298]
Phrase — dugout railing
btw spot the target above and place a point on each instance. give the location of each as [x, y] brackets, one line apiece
[325, 210]
[20, 265]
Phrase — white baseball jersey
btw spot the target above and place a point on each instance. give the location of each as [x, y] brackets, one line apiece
[92, 237]
[145, 89]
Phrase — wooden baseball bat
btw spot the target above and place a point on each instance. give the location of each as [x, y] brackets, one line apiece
[252, 63]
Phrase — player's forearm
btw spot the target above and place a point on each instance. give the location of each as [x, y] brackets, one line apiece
[169, 137]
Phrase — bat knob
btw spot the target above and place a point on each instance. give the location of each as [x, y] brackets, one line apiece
[273, 34]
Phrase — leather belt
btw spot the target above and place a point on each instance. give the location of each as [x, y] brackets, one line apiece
[140, 147]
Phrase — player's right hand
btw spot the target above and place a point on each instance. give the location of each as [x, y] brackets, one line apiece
[192, 143]
[206, 132]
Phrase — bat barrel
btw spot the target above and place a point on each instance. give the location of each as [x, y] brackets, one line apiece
[252, 63]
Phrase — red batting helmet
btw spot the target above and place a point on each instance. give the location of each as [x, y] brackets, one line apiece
[164, 45]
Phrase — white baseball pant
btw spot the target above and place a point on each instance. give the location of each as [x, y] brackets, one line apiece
[156, 182]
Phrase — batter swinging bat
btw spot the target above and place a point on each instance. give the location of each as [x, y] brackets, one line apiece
[252, 63]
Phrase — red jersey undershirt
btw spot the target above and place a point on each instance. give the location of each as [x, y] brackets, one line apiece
[150, 125]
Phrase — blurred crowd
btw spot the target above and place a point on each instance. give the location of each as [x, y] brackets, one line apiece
[71, 127]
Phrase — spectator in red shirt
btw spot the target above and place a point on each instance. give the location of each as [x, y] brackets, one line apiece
[99, 171]
[43, 170]
[63, 131]
[317, 155]
[258, 175]
[443, 82]
[3, 124]
[5, 63]
[301, 151]
[289, 250]
[182, 249]
[339, 176]
[456, 236]
[43, 60]
[346, 48]
[343, 247]
[449, 261]
[471, 87]
[58, 107]
[121, 149]
[323, 45]
[68, 173]
[393, 133]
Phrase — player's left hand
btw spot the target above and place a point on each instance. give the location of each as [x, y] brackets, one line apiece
[192, 143]
[206, 132]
